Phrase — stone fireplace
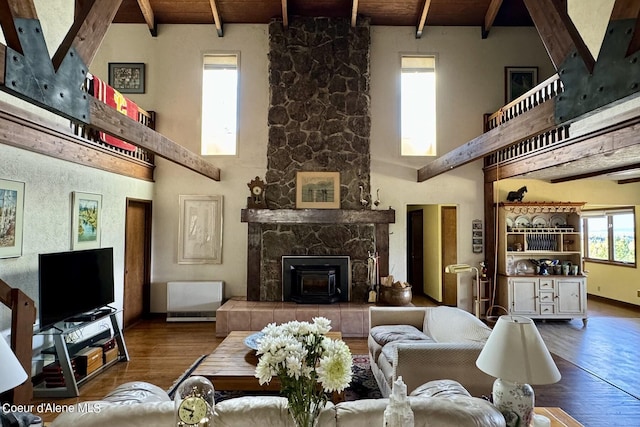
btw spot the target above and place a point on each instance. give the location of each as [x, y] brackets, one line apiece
[319, 120]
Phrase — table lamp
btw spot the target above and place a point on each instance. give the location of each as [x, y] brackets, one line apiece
[516, 355]
[466, 268]
[11, 372]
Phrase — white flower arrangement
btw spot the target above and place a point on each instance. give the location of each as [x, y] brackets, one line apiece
[308, 364]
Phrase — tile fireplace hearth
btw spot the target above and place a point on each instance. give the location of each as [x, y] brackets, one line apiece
[237, 314]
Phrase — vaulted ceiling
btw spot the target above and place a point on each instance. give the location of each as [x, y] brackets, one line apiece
[419, 13]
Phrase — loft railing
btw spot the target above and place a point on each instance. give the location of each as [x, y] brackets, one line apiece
[147, 118]
[543, 92]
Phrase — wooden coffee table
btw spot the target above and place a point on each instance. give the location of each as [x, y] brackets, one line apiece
[558, 417]
[232, 365]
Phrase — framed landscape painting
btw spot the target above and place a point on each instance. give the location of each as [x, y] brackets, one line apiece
[86, 220]
[519, 80]
[11, 216]
[319, 190]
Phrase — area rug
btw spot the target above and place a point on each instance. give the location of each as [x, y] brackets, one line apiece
[363, 385]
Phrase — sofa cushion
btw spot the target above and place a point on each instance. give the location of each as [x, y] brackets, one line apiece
[390, 350]
[440, 388]
[384, 334]
[453, 325]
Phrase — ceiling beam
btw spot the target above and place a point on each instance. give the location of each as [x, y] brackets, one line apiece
[87, 31]
[423, 18]
[216, 17]
[107, 119]
[28, 131]
[620, 140]
[490, 17]
[558, 33]
[595, 173]
[354, 13]
[149, 18]
[285, 14]
[526, 125]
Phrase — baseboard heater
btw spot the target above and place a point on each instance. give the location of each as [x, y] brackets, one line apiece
[194, 301]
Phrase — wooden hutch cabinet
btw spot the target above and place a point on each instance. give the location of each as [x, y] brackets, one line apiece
[540, 260]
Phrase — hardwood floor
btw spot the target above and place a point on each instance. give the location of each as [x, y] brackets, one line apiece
[160, 352]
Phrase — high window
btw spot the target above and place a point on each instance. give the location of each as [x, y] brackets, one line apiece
[219, 104]
[610, 236]
[418, 106]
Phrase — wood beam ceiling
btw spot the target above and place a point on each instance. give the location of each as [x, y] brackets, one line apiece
[490, 17]
[423, 18]
[32, 77]
[149, 18]
[216, 17]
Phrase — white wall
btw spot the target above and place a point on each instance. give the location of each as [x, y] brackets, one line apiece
[470, 83]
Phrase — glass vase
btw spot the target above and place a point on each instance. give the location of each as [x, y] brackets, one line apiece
[306, 415]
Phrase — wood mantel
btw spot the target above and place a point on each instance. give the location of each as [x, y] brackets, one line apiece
[318, 216]
[257, 217]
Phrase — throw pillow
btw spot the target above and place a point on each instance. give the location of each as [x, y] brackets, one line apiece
[384, 334]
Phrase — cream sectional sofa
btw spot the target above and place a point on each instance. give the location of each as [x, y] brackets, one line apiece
[138, 404]
[422, 344]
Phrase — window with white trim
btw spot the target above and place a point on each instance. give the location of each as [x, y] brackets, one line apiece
[610, 236]
[219, 104]
[418, 106]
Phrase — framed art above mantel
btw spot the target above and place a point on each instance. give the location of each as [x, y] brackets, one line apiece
[319, 190]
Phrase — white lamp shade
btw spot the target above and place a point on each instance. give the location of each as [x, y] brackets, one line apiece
[516, 352]
[11, 372]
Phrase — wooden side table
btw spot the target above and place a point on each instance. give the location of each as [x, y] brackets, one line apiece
[558, 417]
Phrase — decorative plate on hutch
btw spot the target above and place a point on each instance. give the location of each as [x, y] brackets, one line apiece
[539, 221]
[522, 221]
[557, 221]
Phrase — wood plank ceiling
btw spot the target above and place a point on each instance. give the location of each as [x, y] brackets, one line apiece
[419, 13]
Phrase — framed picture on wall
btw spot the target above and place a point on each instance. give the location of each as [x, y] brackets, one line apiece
[200, 230]
[86, 217]
[519, 80]
[127, 77]
[318, 190]
[11, 216]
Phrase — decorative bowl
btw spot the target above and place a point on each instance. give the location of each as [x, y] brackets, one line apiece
[252, 340]
[394, 296]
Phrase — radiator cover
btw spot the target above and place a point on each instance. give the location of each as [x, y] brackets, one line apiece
[194, 301]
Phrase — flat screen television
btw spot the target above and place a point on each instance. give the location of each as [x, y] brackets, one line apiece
[73, 283]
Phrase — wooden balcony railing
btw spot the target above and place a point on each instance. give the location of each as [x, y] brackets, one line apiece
[147, 118]
[543, 92]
